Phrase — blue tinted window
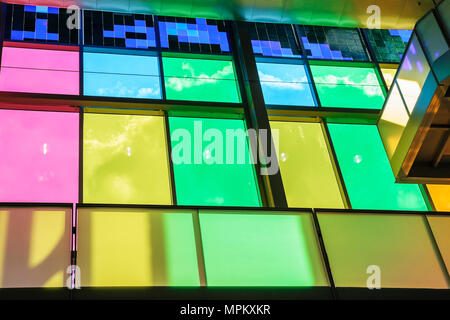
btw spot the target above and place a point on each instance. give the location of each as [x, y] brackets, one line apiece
[116, 75]
[388, 45]
[285, 84]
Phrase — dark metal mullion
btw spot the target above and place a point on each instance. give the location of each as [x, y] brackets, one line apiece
[3, 8]
[169, 152]
[308, 67]
[159, 52]
[199, 249]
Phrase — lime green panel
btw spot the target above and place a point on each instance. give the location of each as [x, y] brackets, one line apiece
[125, 160]
[367, 174]
[306, 169]
[131, 247]
[200, 80]
[261, 250]
[348, 87]
[202, 174]
[399, 245]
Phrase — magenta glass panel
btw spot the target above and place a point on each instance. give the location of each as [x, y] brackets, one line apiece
[39, 156]
[39, 71]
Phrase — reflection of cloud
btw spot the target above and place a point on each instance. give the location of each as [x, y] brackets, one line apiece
[369, 84]
[193, 80]
[274, 82]
[121, 89]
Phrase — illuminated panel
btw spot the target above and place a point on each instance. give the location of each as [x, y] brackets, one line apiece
[433, 40]
[39, 24]
[367, 174]
[134, 248]
[212, 166]
[440, 227]
[39, 162]
[388, 45]
[121, 75]
[285, 84]
[332, 43]
[348, 87]
[125, 160]
[39, 71]
[200, 80]
[34, 247]
[120, 30]
[193, 35]
[269, 249]
[306, 169]
[440, 194]
[399, 245]
[388, 75]
[273, 40]
[413, 73]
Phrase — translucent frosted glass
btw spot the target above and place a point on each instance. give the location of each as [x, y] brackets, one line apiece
[388, 75]
[399, 244]
[440, 194]
[126, 76]
[306, 168]
[393, 121]
[130, 247]
[125, 160]
[413, 73]
[261, 250]
[285, 84]
[348, 87]
[200, 80]
[367, 174]
[202, 174]
[39, 71]
[39, 161]
[440, 227]
[433, 40]
[34, 247]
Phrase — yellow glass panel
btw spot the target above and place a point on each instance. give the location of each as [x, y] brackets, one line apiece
[136, 248]
[125, 160]
[399, 245]
[34, 247]
[440, 227]
[306, 169]
[440, 194]
[388, 75]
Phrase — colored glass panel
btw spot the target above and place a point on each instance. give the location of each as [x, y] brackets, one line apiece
[399, 245]
[388, 75]
[39, 24]
[306, 169]
[367, 174]
[388, 45]
[193, 35]
[39, 71]
[269, 249]
[39, 162]
[348, 87]
[121, 75]
[440, 226]
[440, 195]
[134, 248]
[200, 80]
[285, 84]
[433, 40]
[332, 43]
[34, 247]
[212, 162]
[125, 160]
[273, 40]
[119, 30]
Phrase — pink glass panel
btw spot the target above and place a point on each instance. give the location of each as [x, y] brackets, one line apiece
[39, 156]
[39, 71]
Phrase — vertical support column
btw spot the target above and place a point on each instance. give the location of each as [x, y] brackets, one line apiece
[2, 27]
[255, 111]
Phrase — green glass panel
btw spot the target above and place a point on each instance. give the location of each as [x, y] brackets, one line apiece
[204, 173]
[308, 175]
[367, 174]
[269, 249]
[125, 160]
[200, 80]
[348, 87]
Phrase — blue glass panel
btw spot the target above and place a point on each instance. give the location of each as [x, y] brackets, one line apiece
[388, 45]
[285, 84]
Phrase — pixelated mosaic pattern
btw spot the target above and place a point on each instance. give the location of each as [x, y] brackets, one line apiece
[329, 43]
[273, 40]
[388, 45]
[39, 24]
[119, 30]
[193, 35]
